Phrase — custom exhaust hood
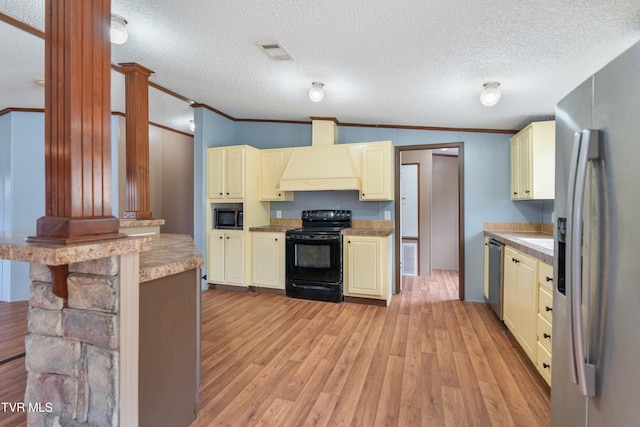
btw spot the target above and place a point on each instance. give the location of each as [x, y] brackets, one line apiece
[325, 165]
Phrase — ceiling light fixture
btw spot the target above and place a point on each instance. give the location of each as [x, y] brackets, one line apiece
[119, 33]
[192, 125]
[491, 94]
[316, 93]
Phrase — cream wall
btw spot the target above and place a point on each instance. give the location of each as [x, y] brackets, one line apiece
[170, 175]
[424, 159]
[444, 213]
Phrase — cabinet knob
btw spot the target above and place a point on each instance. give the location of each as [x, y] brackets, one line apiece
[279, 195]
[227, 237]
[221, 194]
[362, 194]
[221, 237]
[545, 365]
[546, 335]
[227, 194]
[547, 308]
[276, 239]
[527, 191]
[549, 279]
[515, 193]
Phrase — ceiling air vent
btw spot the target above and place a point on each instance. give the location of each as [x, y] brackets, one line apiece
[275, 51]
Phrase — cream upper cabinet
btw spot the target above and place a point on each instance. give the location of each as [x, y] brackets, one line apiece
[268, 259]
[367, 267]
[377, 172]
[533, 162]
[215, 173]
[225, 257]
[226, 173]
[272, 164]
[520, 298]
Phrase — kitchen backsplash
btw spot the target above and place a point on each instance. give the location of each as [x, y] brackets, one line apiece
[518, 226]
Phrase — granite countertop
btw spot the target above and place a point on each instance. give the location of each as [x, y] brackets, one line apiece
[514, 239]
[160, 256]
[170, 254]
[13, 247]
[376, 232]
[273, 228]
[140, 222]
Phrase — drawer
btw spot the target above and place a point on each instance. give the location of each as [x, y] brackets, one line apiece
[544, 363]
[545, 275]
[544, 333]
[545, 304]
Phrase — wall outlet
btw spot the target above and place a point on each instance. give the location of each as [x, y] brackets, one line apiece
[387, 215]
[278, 214]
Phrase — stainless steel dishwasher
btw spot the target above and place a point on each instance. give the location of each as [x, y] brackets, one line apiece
[495, 276]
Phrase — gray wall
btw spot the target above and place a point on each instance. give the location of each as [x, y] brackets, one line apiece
[444, 205]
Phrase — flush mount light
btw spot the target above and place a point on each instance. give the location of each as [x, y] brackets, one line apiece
[119, 33]
[192, 125]
[316, 93]
[491, 94]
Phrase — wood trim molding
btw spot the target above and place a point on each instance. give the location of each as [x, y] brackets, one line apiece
[170, 92]
[461, 235]
[137, 146]
[218, 112]
[21, 110]
[77, 125]
[434, 128]
[21, 25]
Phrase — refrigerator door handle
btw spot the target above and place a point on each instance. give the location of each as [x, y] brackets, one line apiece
[577, 141]
[589, 150]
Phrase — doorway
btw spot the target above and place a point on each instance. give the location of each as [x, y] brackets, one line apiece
[431, 229]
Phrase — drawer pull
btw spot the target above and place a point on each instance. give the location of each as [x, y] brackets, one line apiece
[547, 308]
[546, 335]
[545, 365]
[549, 279]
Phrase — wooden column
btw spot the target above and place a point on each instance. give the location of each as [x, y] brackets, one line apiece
[136, 78]
[77, 123]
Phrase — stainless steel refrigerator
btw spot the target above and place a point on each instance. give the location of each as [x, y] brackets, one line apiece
[596, 306]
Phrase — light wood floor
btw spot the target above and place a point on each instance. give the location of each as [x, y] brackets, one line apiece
[427, 360]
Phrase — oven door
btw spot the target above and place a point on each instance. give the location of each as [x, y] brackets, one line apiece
[317, 259]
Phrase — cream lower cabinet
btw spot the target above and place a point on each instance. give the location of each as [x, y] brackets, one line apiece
[545, 320]
[367, 267]
[520, 303]
[268, 259]
[225, 257]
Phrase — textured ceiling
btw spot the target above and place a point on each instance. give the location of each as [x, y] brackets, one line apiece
[411, 62]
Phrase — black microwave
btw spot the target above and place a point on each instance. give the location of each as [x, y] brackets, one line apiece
[228, 218]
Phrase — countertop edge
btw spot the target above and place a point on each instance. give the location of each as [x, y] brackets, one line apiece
[510, 238]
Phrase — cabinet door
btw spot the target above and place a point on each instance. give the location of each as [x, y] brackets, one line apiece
[235, 173]
[514, 168]
[527, 305]
[377, 169]
[510, 289]
[272, 166]
[486, 268]
[215, 173]
[268, 259]
[363, 266]
[234, 258]
[525, 180]
[215, 258]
